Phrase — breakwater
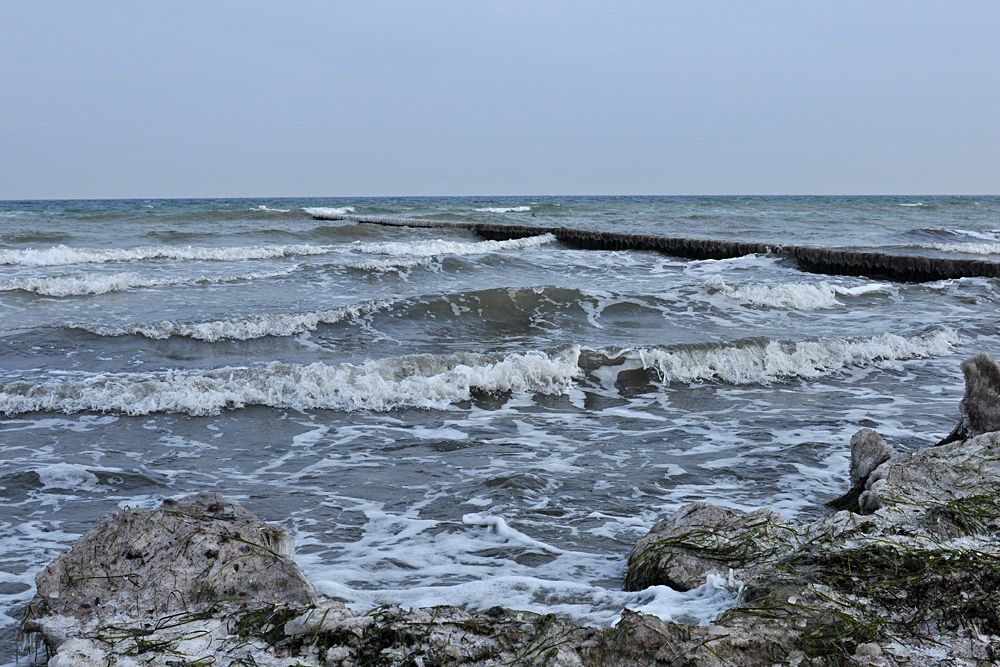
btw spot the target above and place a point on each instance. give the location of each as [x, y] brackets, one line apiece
[833, 261]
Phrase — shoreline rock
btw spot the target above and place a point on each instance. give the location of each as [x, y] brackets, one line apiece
[909, 575]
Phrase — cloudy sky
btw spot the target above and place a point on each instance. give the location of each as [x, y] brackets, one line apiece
[201, 99]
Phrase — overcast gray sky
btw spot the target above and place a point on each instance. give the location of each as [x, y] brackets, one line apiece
[201, 99]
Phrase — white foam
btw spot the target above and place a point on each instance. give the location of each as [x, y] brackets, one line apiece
[581, 602]
[422, 381]
[379, 265]
[797, 296]
[504, 531]
[972, 248]
[328, 211]
[102, 283]
[762, 363]
[410, 558]
[273, 210]
[68, 476]
[917, 205]
[504, 209]
[244, 328]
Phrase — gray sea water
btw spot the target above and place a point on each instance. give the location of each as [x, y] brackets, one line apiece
[441, 419]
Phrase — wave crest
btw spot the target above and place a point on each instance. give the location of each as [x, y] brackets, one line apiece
[324, 212]
[972, 248]
[244, 328]
[420, 381]
[103, 283]
[796, 296]
[504, 209]
[435, 247]
[761, 362]
[63, 255]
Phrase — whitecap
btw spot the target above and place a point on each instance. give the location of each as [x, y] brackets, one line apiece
[796, 296]
[243, 328]
[437, 247]
[103, 283]
[420, 381]
[770, 361]
[63, 255]
[972, 248]
[321, 212]
[504, 209]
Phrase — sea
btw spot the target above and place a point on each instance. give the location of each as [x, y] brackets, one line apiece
[442, 419]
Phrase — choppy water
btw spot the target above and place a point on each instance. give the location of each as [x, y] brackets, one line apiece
[441, 419]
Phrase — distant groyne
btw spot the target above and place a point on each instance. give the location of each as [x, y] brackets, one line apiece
[835, 261]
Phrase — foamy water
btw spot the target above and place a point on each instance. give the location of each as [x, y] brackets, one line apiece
[440, 419]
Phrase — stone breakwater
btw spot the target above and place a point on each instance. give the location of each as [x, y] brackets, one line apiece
[838, 261]
[908, 574]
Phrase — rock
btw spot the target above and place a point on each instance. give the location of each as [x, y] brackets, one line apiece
[980, 407]
[868, 451]
[700, 538]
[198, 554]
[917, 579]
[868, 650]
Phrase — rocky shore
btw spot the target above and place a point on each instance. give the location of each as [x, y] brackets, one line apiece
[906, 572]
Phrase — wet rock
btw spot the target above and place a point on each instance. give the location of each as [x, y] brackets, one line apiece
[701, 538]
[868, 451]
[980, 407]
[916, 580]
[199, 554]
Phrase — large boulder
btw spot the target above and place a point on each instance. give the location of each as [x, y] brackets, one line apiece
[201, 553]
[701, 538]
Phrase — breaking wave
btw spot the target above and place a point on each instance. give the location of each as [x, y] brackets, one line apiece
[102, 283]
[244, 328]
[973, 248]
[421, 381]
[63, 255]
[763, 362]
[504, 209]
[796, 296]
[437, 247]
[322, 212]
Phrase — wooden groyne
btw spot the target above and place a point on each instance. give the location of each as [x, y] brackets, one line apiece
[836, 261]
